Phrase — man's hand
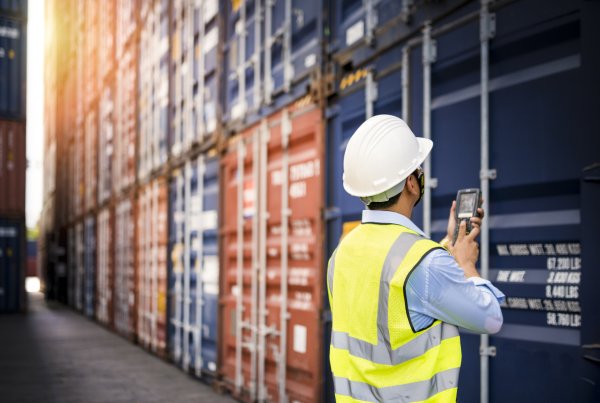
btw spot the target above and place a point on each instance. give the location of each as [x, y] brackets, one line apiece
[466, 250]
[475, 222]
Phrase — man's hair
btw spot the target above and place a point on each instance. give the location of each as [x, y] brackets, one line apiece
[386, 204]
[392, 200]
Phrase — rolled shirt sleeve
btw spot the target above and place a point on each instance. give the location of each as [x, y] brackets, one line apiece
[438, 289]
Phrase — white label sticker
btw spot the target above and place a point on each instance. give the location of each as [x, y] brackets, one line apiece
[355, 32]
[310, 60]
[212, 366]
[300, 339]
[210, 274]
[210, 219]
[211, 7]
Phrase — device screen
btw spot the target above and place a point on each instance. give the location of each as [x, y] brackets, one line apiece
[466, 205]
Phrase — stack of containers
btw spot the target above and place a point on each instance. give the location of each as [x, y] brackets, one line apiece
[152, 199]
[272, 193]
[125, 298]
[193, 264]
[486, 83]
[13, 22]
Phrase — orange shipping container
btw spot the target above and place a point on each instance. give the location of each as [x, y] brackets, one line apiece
[12, 169]
[105, 267]
[152, 266]
[272, 190]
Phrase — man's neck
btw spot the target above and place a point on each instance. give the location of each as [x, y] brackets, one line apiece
[401, 208]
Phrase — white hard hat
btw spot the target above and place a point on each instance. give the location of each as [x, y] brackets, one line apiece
[381, 154]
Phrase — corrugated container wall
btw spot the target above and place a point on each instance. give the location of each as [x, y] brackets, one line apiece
[153, 89]
[152, 210]
[195, 73]
[106, 41]
[89, 264]
[12, 275]
[106, 144]
[272, 60]
[14, 7]
[91, 61]
[273, 265]
[532, 209]
[90, 162]
[125, 123]
[79, 266]
[194, 265]
[13, 59]
[126, 24]
[13, 164]
[105, 267]
[125, 295]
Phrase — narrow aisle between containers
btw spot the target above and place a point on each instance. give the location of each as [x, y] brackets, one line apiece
[56, 355]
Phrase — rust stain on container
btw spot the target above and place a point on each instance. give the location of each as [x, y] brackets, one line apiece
[12, 169]
[125, 299]
[303, 351]
[152, 265]
[105, 267]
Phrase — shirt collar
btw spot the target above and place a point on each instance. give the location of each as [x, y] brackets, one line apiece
[389, 217]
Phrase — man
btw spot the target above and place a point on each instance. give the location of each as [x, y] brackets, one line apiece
[396, 296]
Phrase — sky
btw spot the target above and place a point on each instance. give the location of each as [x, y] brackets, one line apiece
[35, 111]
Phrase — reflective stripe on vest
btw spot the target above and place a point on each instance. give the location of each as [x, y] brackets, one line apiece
[376, 355]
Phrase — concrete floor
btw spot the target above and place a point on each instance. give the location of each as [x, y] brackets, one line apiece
[53, 354]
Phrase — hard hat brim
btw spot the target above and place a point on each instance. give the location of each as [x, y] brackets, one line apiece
[425, 146]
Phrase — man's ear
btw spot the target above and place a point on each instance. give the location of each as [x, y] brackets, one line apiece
[412, 185]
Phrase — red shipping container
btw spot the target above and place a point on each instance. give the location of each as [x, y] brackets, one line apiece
[126, 11]
[272, 333]
[91, 61]
[13, 164]
[90, 161]
[106, 143]
[125, 123]
[152, 266]
[105, 266]
[106, 39]
[125, 300]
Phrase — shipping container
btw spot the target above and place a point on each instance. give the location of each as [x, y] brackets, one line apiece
[91, 61]
[151, 262]
[106, 41]
[13, 59]
[32, 258]
[80, 57]
[125, 298]
[273, 264]
[195, 73]
[105, 267]
[125, 123]
[16, 8]
[127, 17]
[194, 265]
[434, 81]
[79, 266]
[269, 61]
[89, 261]
[153, 106]
[13, 164]
[106, 145]
[89, 160]
[71, 265]
[12, 262]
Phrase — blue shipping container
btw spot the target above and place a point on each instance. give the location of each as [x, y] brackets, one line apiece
[269, 65]
[11, 266]
[89, 287]
[538, 149]
[12, 69]
[194, 265]
[16, 8]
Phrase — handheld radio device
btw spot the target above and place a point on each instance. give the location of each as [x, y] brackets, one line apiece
[467, 202]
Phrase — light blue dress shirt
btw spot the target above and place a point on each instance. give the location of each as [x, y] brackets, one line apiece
[438, 288]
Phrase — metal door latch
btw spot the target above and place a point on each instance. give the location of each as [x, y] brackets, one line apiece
[489, 351]
[490, 174]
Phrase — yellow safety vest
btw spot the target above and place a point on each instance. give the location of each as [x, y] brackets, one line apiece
[376, 355]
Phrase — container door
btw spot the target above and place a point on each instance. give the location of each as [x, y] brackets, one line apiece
[11, 263]
[273, 197]
[89, 285]
[194, 266]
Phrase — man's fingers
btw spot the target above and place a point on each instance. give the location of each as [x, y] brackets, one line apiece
[474, 232]
[481, 212]
[475, 222]
[462, 230]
